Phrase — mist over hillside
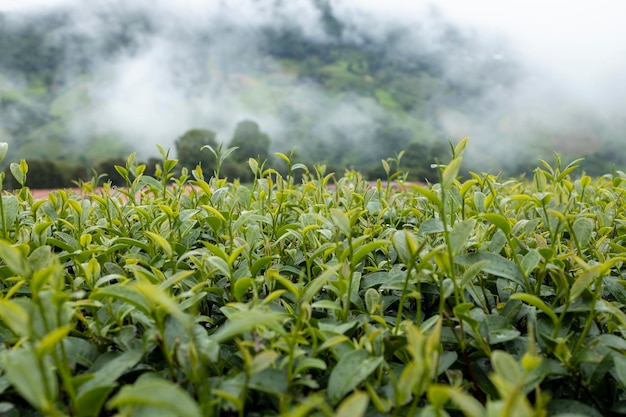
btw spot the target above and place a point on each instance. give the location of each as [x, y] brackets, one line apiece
[338, 83]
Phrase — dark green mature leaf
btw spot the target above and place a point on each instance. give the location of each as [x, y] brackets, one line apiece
[242, 321]
[151, 390]
[498, 265]
[352, 369]
[32, 377]
[571, 408]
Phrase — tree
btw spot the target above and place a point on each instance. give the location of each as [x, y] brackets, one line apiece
[189, 153]
[251, 141]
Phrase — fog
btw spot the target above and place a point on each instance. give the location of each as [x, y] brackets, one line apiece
[199, 64]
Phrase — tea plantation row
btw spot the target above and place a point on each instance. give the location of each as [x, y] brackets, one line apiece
[197, 296]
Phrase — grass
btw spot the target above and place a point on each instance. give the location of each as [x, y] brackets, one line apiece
[476, 297]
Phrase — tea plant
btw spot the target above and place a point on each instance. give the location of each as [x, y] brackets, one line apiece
[188, 296]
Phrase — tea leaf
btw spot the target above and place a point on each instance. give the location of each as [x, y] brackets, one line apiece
[4, 148]
[154, 391]
[123, 293]
[460, 234]
[161, 242]
[499, 220]
[497, 265]
[110, 367]
[450, 173]
[242, 321]
[32, 377]
[353, 406]
[537, 302]
[583, 228]
[352, 369]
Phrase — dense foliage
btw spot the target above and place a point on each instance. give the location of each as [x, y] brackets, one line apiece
[196, 296]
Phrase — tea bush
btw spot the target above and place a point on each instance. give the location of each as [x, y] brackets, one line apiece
[195, 296]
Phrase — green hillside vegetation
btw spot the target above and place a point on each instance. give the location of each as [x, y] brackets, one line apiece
[196, 296]
[408, 96]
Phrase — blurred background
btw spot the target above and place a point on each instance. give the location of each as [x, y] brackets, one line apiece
[343, 83]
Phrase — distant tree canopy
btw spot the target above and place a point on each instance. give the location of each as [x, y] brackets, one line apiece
[252, 142]
[188, 149]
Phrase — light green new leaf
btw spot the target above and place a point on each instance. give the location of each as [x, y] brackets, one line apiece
[450, 172]
[151, 390]
[49, 341]
[429, 194]
[161, 242]
[353, 406]
[499, 220]
[364, 250]
[538, 303]
[15, 259]
[352, 369]
[14, 316]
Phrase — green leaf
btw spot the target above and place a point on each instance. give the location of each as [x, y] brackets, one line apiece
[19, 176]
[405, 244]
[498, 265]
[4, 148]
[15, 317]
[242, 285]
[619, 362]
[364, 250]
[506, 366]
[15, 259]
[538, 303]
[460, 234]
[341, 220]
[353, 406]
[429, 194]
[32, 377]
[123, 293]
[499, 220]
[151, 390]
[314, 287]
[450, 173]
[49, 341]
[583, 228]
[242, 321]
[530, 262]
[352, 369]
[109, 367]
[571, 408]
[161, 242]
